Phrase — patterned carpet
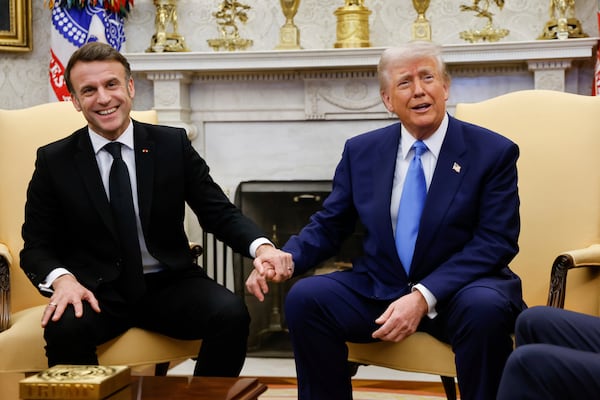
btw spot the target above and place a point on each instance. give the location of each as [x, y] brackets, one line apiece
[276, 392]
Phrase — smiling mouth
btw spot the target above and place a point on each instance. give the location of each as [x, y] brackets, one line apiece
[107, 112]
[421, 107]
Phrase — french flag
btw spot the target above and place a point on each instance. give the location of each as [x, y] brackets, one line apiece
[73, 25]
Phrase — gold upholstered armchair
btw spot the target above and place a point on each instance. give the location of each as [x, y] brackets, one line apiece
[559, 184]
[21, 336]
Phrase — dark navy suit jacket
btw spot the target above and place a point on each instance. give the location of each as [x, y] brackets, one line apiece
[469, 228]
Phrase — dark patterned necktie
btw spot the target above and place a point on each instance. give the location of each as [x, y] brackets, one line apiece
[131, 282]
[412, 202]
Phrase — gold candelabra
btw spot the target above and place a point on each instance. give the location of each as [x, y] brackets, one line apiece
[488, 33]
[352, 28]
[562, 24]
[229, 12]
[289, 34]
[164, 40]
[421, 29]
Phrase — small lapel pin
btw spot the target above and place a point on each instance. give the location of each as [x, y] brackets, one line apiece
[456, 168]
[145, 151]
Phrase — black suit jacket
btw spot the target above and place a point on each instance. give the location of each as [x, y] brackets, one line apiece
[68, 220]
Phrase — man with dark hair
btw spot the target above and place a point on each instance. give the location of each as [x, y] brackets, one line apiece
[104, 234]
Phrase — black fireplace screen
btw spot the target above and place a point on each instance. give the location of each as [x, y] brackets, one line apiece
[281, 208]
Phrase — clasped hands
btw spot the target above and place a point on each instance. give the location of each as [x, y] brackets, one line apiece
[270, 265]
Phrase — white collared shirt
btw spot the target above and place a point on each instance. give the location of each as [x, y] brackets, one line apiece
[104, 160]
[429, 161]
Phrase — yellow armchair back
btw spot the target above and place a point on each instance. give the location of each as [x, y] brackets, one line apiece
[559, 185]
[22, 345]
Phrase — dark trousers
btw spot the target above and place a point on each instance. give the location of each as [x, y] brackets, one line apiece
[322, 315]
[557, 357]
[183, 305]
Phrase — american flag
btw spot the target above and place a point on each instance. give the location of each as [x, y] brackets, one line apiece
[77, 22]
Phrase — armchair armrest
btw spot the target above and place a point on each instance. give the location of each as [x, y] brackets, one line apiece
[587, 257]
[5, 261]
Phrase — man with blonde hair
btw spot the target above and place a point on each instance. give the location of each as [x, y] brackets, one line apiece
[439, 202]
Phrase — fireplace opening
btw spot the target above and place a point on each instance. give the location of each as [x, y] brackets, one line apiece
[281, 209]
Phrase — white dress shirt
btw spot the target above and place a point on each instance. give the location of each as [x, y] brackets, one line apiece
[429, 161]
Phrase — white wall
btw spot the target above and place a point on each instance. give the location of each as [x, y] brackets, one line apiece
[23, 77]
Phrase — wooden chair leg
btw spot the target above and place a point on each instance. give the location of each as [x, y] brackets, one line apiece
[161, 369]
[449, 387]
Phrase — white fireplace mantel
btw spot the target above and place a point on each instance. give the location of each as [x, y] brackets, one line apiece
[363, 58]
[337, 83]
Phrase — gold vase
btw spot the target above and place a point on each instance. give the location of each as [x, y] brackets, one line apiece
[421, 29]
[289, 34]
[165, 40]
[352, 28]
[562, 24]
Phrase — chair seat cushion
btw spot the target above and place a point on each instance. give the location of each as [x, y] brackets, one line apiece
[419, 352]
[22, 346]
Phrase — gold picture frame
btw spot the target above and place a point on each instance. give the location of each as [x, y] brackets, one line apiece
[15, 25]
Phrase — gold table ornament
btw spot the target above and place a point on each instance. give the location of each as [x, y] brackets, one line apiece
[562, 24]
[421, 28]
[162, 40]
[488, 33]
[229, 12]
[352, 28]
[289, 34]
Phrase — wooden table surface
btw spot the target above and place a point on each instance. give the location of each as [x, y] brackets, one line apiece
[196, 388]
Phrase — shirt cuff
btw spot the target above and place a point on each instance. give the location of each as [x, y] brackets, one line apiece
[46, 286]
[257, 243]
[429, 299]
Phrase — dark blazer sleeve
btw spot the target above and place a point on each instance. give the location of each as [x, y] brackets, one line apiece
[68, 222]
[214, 210]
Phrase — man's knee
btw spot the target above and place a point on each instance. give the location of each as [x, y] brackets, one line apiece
[234, 313]
[70, 328]
[299, 299]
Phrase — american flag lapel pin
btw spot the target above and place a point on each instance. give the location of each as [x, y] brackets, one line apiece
[456, 167]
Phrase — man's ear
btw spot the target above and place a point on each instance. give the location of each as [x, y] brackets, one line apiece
[131, 88]
[386, 101]
[75, 102]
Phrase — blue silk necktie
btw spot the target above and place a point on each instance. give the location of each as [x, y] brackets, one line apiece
[131, 283]
[412, 202]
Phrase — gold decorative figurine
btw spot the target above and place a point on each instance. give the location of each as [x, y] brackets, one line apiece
[228, 13]
[562, 24]
[352, 25]
[488, 33]
[166, 15]
[289, 34]
[421, 29]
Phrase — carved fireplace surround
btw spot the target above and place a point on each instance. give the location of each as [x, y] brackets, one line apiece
[284, 115]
